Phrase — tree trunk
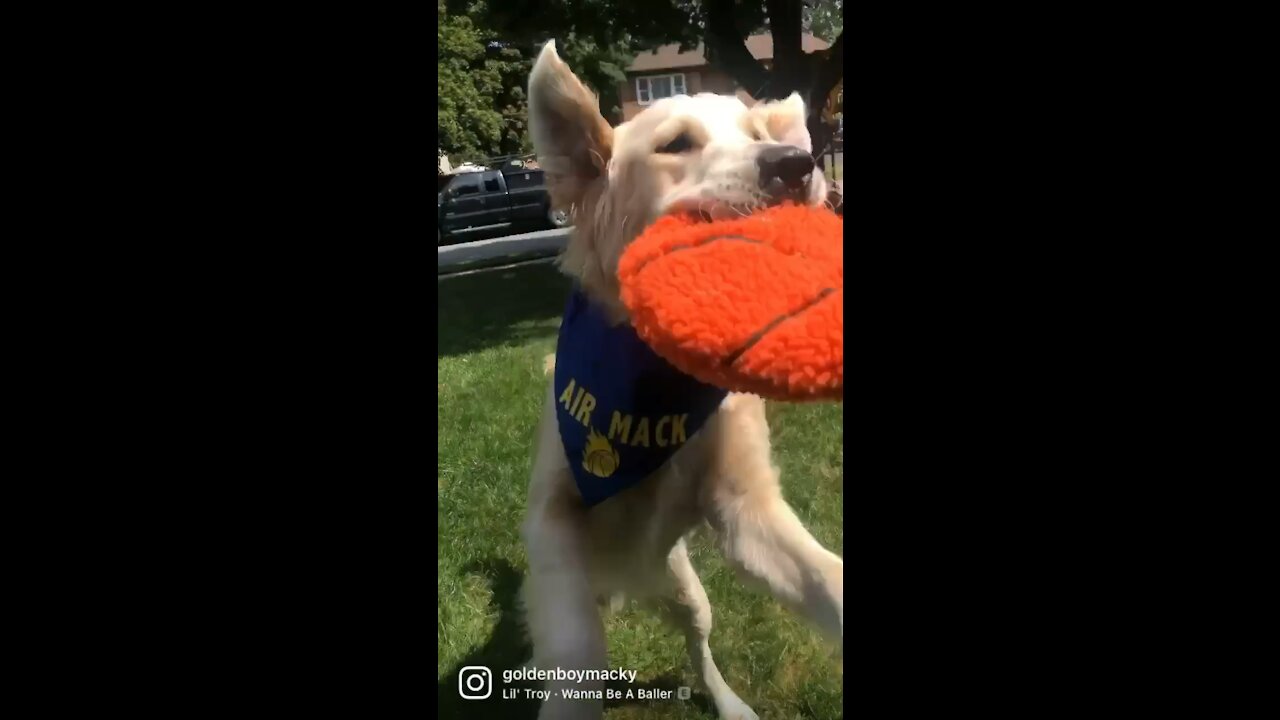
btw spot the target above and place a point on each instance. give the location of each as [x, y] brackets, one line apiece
[727, 51]
[793, 70]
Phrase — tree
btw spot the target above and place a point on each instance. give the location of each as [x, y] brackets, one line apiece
[625, 26]
[469, 123]
[484, 70]
[824, 18]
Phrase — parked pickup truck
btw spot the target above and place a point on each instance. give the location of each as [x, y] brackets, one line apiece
[493, 202]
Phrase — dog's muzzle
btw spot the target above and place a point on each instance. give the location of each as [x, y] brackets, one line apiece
[785, 172]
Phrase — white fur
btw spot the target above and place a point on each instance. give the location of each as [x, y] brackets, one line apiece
[616, 183]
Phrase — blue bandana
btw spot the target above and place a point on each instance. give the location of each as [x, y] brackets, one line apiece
[622, 410]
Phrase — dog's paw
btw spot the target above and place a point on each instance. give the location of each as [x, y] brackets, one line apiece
[730, 707]
[549, 364]
[740, 712]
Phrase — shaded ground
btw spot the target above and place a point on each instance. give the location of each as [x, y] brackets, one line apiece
[499, 307]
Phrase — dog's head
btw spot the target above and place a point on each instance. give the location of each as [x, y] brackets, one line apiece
[706, 154]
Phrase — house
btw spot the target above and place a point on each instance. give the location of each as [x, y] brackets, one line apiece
[666, 71]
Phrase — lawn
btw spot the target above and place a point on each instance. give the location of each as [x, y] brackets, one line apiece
[495, 327]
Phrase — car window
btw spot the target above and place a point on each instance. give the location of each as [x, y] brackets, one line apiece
[491, 182]
[468, 184]
[525, 179]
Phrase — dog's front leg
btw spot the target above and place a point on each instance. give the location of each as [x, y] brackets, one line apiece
[758, 532]
[762, 538]
[563, 619]
[687, 606]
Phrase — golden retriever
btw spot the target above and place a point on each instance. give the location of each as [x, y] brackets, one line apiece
[708, 154]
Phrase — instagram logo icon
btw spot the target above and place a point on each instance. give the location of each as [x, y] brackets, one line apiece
[475, 682]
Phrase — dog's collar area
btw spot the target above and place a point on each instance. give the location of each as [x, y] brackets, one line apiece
[614, 314]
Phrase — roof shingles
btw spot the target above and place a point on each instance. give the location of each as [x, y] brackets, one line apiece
[669, 56]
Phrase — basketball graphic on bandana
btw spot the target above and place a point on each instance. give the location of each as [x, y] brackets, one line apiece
[599, 458]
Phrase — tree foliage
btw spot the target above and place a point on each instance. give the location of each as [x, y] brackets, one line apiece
[824, 18]
[485, 55]
[467, 119]
[486, 59]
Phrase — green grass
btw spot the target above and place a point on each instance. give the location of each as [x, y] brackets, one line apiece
[495, 327]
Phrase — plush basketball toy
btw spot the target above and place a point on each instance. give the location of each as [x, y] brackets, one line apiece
[752, 304]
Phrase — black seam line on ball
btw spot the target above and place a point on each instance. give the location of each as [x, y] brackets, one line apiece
[700, 243]
[759, 334]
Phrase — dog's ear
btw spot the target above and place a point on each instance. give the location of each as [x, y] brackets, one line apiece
[572, 139]
[785, 121]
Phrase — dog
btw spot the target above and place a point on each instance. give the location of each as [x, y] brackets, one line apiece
[592, 532]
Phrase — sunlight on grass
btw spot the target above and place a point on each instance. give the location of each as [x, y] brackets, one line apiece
[494, 330]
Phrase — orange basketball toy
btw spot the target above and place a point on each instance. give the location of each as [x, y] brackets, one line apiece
[753, 304]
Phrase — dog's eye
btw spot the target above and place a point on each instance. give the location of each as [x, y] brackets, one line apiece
[682, 143]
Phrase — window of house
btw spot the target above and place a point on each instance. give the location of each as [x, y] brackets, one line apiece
[656, 87]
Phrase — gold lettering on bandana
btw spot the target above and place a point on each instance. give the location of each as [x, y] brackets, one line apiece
[668, 430]
[657, 431]
[641, 437]
[677, 428]
[620, 426]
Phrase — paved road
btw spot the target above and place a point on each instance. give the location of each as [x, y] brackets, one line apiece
[543, 243]
[526, 246]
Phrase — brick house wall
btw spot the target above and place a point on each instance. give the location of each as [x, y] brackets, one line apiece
[698, 75]
[696, 80]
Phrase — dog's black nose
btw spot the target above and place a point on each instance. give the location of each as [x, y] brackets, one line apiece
[785, 171]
